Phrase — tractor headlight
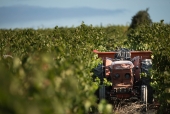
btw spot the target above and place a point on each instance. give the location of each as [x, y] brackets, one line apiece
[117, 75]
[127, 76]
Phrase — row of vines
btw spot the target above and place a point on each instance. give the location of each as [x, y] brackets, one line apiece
[48, 71]
[155, 37]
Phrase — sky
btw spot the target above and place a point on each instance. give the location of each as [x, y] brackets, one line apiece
[71, 13]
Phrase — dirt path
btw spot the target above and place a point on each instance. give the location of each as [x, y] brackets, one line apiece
[133, 108]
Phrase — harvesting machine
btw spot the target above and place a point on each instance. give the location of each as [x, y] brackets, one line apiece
[123, 68]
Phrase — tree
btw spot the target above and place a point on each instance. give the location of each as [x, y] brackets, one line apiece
[141, 17]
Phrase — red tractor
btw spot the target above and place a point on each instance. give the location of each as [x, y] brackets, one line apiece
[123, 68]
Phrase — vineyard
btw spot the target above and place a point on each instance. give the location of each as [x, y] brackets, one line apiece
[49, 71]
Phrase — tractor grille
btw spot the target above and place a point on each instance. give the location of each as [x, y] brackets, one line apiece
[122, 90]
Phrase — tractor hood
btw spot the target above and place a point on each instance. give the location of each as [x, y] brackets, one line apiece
[122, 74]
[122, 65]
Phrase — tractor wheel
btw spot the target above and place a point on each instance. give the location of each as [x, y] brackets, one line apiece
[144, 96]
[99, 72]
[102, 92]
[150, 92]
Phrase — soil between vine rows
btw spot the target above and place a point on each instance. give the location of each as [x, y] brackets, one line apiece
[134, 108]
